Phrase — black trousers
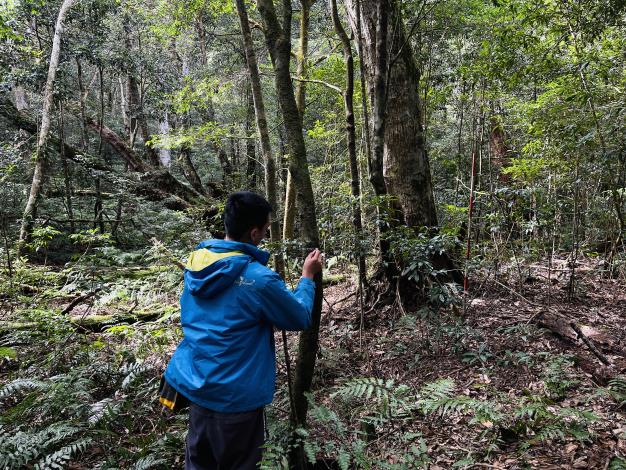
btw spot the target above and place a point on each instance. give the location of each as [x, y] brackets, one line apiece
[224, 441]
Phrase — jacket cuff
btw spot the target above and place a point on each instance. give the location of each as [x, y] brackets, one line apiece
[306, 280]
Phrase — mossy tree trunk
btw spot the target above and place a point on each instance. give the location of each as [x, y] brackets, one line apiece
[278, 40]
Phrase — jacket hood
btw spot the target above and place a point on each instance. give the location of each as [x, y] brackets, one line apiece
[216, 264]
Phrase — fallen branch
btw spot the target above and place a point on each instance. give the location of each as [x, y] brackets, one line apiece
[351, 294]
[530, 302]
[592, 347]
[78, 300]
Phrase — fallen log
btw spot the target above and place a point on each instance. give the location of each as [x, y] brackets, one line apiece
[99, 323]
[155, 184]
[91, 323]
[562, 326]
[574, 333]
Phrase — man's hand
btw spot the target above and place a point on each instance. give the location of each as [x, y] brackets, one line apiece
[312, 264]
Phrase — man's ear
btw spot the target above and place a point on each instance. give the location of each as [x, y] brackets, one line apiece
[254, 234]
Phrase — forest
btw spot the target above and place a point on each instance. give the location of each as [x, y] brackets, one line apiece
[460, 163]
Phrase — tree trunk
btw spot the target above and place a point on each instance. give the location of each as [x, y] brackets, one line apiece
[98, 206]
[138, 119]
[20, 98]
[278, 39]
[406, 170]
[348, 97]
[261, 122]
[290, 192]
[251, 164]
[189, 169]
[40, 156]
[165, 154]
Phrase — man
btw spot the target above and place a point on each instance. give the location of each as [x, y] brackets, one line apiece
[225, 365]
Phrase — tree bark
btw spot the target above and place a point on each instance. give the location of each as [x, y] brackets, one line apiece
[42, 142]
[121, 148]
[165, 154]
[405, 166]
[67, 177]
[290, 192]
[251, 164]
[189, 170]
[278, 40]
[138, 119]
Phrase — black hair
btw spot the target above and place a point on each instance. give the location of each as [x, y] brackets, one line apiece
[244, 211]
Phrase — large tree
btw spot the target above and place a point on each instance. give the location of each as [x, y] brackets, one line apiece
[395, 99]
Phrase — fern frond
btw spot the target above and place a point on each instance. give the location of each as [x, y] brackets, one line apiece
[365, 387]
[617, 389]
[149, 461]
[132, 370]
[311, 449]
[101, 410]
[59, 458]
[534, 410]
[20, 385]
[443, 388]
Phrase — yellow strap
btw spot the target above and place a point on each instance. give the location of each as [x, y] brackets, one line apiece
[202, 258]
[168, 403]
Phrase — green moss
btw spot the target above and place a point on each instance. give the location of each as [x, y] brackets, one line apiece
[331, 279]
[7, 352]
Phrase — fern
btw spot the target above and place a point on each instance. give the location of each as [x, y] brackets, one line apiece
[390, 397]
[553, 423]
[149, 461]
[102, 410]
[132, 371]
[553, 432]
[57, 459]
[534, 410]
[365, 387]
[311, 448]
[617, 389]
[442, 388]
[20, 385]
[21, 447]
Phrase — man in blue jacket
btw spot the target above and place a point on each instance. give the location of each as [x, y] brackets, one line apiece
[225, 364]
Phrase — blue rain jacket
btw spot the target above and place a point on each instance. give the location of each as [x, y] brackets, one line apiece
[229, 305]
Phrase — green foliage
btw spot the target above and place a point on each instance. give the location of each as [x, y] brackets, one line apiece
[557, 375]
[617, 463]
[42, 236]
[90, 238]
[617, 389]
[415, 252]
[71, 395]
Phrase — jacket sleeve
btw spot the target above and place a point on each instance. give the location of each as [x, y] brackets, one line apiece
[285, 309]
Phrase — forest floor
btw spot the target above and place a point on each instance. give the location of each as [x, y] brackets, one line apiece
[485, 385]
[496, 352]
